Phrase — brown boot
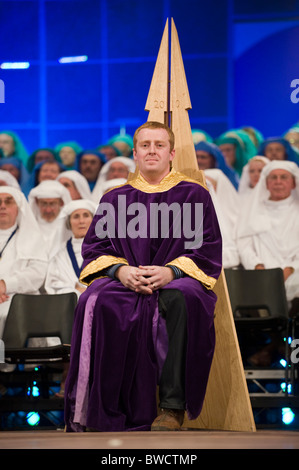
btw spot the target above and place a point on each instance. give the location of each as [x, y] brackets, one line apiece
[168, 420]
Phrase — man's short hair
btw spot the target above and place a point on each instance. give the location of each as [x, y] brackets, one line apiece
[154, 125]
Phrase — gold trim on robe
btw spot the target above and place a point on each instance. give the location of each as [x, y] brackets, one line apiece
[188, 266]
[168, 182]
[97, 266]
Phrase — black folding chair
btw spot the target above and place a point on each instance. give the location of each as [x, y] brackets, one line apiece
[259, 303]
[36, 316]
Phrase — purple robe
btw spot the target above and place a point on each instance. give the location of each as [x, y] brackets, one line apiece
[119, 339]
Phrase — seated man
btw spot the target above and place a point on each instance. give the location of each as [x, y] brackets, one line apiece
[147, 315]
[46, 201]
[23, 262]
[268, 227]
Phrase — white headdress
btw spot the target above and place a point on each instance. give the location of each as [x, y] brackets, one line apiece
[244, 184]
[9, 179]
[64, 233]
[79, 180]
[226, 194]
[46, 190]
[29, 236]
[253, 218]
[98, 190]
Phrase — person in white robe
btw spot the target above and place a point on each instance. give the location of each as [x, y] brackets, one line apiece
[23, 260]
[227, 197]
[230, 254]
[115, 169]
[250, 176]
[75, 183]
[110, 184]
[65, 263]
[46, 201]
[268, 228]
[268, 231]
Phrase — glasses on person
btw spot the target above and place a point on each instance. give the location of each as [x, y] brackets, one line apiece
[283, 177]
[8, 201]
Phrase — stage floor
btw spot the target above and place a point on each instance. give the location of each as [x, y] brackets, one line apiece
[189, 439]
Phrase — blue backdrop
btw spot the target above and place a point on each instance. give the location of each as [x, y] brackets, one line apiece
[240, 58]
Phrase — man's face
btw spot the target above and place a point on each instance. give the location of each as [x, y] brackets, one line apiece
[117, 170]
[280, 184]
[275, 151]
[153, 155]
[49, 208]
[90, 166]
[8, 211]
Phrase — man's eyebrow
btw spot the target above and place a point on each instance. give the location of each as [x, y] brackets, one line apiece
[160, 141]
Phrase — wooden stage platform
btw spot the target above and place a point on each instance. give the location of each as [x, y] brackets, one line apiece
[187, 440]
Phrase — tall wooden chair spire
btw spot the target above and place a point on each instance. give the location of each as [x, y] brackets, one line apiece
[227, 403]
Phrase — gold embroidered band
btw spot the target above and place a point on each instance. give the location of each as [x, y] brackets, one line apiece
[189, 267]
[87, 275]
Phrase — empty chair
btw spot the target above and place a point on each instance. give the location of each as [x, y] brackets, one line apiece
[258, 301]
[257, 296]
[38, 316]
[259, 305]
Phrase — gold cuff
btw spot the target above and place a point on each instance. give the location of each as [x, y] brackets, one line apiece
[96, 266]
[189, 267]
